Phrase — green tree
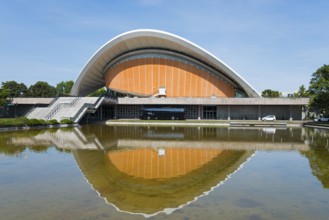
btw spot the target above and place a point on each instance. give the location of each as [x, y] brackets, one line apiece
[271, 93]
[98, 93]
[14, 89]
[41, 89]
[318, 156]
[4, 94]
[319, 90]
[302, 92]
[64, 88]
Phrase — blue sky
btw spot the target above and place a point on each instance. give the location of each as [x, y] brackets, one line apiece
[273, 44]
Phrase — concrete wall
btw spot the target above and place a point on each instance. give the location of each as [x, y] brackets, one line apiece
[222, 112]
[244, 112]
[297, 113]
[281, 112]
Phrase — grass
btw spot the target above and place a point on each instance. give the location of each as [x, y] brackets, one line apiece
[25, 122]
[13, 122]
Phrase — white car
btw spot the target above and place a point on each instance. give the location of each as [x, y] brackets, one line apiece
[322, 119]
[269, 118]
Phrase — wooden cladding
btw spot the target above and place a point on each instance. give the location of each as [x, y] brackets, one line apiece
[146, 162]
[144, 76]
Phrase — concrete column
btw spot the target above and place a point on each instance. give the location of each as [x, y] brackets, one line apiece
[115, 112]
[217, 112]
[290, 113]
[259, 113]
[199, 112]
[101, 113]
[228, 112]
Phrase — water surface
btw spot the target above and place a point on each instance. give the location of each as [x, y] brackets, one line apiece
[107, 172]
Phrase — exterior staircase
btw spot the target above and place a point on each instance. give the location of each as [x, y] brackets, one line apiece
[73, 108]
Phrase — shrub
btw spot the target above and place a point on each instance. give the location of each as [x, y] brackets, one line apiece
[42, 122]
[53, 122]
[33, 122]
[66, 121]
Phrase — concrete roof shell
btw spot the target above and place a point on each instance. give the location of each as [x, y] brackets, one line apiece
[91, 77]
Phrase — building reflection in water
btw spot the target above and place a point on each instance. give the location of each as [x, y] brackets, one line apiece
[140, 181]
[148, 171]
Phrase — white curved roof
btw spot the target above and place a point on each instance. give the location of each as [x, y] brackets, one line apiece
[91, 77]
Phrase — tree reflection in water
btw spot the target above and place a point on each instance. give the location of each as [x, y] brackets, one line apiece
[318, 155]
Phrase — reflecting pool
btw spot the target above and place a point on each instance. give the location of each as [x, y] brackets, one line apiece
[108, 172]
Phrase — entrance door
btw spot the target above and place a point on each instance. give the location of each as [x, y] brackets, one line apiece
[209, 112]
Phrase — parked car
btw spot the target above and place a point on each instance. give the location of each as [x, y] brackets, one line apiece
[269, 118]
[322, 119]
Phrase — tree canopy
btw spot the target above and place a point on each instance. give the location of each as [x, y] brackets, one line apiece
[14, 89]
[11, 89]
[302, 92]
[271, 93]
[4, 94]
[319, 90]
[98, 93]
[64, 88]
[41, 89]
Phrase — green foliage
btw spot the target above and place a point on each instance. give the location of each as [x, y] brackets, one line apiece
[4, 94]
[64, 88]
[33, 122]
[36, 122]
[21, 122]
[53, 122]
[271, 93]
[318, 156]
[41, 89]
[42, 122]
[319, 90]
[66, 121]
[13, 122]
[302, 92]
[14, 89]
[101, 91]
[11, 89]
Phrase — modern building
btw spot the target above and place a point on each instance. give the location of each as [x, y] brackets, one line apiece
[146, 63]
[155, 69]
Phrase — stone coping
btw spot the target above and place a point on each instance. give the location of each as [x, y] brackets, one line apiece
[206, 123]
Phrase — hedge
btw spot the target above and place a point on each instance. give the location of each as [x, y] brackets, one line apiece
[23, 122]
[66, 121]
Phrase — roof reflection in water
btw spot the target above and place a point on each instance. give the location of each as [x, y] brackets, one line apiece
[149, 163]
[146, 183]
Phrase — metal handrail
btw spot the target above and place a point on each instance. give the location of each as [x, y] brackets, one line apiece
[86, 106]
[62, 105]
[54, 111]
[83, 107]
[30, 110]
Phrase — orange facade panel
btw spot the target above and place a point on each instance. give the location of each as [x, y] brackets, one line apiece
[146, 163]
[145, 76]
[155, 73]
[169, 78]
[135, 71]
[162, 73]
